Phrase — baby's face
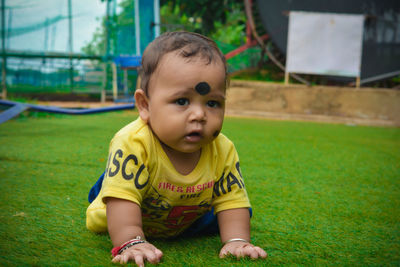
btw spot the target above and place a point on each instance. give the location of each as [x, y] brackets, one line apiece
[186, 102]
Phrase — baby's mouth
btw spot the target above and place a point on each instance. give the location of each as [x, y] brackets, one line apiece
[194, 137]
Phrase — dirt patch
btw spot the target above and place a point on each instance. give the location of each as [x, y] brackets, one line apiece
[62, 97]
[79, 104]
[365, 106]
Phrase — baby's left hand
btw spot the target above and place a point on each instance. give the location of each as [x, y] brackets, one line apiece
[242, 249]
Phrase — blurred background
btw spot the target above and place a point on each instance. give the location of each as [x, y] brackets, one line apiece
[91, 49]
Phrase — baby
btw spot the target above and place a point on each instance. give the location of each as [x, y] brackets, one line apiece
[171, 171]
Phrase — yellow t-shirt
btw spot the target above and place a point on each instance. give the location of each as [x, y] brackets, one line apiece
[139, 170]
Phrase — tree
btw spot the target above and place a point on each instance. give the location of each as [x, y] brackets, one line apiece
[97, 46]
[209, 12]
[221, 20]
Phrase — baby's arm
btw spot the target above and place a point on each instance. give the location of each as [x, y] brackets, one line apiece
[235, 224]
[124, 219]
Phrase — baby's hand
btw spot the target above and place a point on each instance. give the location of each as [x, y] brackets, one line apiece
[139, 254]
[242, 249]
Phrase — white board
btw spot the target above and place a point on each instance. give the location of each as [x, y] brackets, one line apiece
[324, 43]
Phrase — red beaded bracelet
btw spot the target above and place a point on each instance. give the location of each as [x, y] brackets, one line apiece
[118, 250]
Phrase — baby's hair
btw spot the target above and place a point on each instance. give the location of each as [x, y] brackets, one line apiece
[187, 45]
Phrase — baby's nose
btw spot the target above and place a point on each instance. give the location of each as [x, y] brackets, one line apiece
[198, 114]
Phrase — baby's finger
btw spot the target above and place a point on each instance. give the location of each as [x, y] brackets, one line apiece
[120, 259]
[240, 252]
[223, 253]
[116, 259]
[151, 256]
[251, 252]
[261, 252]
[159, 254]
[139, 259]
[127, 256]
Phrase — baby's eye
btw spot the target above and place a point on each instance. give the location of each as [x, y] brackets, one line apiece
[213, 104]
[182, 101]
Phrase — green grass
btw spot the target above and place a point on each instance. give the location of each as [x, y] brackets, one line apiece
[322, 194]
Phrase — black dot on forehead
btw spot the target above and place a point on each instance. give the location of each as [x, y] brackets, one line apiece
[202, 88]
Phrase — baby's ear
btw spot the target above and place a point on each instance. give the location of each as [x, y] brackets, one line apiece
[142, 104]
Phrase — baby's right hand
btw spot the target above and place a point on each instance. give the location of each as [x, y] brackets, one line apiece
[139, 254]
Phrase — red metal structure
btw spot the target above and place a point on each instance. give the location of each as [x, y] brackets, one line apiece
[250, 41]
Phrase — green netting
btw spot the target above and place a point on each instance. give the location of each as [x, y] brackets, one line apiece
[123, 32]
[247, 59]
[39, 29]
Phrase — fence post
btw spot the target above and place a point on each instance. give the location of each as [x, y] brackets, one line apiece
[3, 47]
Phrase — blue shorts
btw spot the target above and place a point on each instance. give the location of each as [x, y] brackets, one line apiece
[207, 224]
[95, 190]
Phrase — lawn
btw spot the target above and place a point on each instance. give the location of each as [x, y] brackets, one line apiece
[322, 194]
